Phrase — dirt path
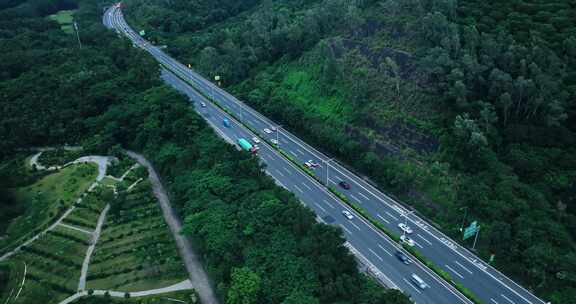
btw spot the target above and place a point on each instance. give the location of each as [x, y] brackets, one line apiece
[184, 285]
[90, 250]
[197, 275]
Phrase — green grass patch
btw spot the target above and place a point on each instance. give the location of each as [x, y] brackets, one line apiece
[47, 199]
[65, 19]
[107, 181]
[300, 87]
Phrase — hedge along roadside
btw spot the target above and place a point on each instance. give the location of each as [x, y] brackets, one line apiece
[444, 275]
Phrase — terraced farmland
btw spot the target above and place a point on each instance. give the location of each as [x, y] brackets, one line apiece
[53, 264]
[136, 250]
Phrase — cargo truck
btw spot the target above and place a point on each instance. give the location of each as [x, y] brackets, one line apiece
[244, 144]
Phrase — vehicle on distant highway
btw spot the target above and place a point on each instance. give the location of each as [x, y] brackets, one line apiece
[405, 228]
[344, 185]
[347, 214]
[203, 104]
[267, 131]
[311, 164]
[403, 257]
[244, 144]
[255, 140]
[406, 240]
[274, 141]
[226, 122]
[419, 282]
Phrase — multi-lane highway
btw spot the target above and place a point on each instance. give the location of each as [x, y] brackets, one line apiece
[485, 282]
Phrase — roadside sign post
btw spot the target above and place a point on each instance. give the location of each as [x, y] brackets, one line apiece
[476, 238]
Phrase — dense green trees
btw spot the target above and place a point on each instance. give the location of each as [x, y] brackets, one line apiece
[486, 87]
[259, 243]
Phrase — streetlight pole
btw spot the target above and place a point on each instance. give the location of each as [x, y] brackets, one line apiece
[327, 163]
[77, 34]
[476, 238]
[277, 137]
[406, 214]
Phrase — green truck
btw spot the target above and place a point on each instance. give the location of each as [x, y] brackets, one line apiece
[246, 145]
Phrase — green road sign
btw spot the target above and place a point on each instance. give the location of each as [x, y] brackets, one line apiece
[491, 258]
[470, 230]
[142, 33]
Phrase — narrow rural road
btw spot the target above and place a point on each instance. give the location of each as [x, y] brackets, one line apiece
[90, 250]
[184, 285]
[197, 275]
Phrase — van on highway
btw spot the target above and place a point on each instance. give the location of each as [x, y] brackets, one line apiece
[419, 282]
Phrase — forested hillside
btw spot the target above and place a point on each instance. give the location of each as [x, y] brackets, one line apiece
[450, 105]
[259, 244]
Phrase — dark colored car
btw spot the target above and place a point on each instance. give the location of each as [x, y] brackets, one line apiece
[344, 185]
[403, 257]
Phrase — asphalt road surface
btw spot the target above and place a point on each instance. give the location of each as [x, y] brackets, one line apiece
[485, 282]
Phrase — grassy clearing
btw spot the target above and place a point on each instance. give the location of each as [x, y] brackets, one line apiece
[46, 199]
[65, 19]
[118, 168]
[108, 181]
[299, 86]
[135, 251]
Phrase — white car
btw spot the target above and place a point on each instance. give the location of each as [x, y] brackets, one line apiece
[405, 228]
[255, 140]
[274, 141]
[267, 131]
[311, 164]
[406, 240]
[203, 104]
[347, 214]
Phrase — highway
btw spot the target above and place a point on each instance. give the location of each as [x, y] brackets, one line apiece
[485, 282]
